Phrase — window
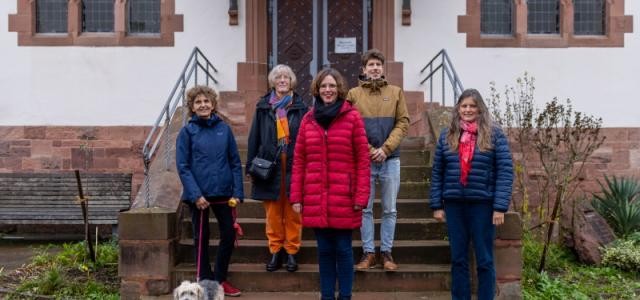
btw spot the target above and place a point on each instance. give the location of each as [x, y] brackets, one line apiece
[95, 22]
[51, 16]
[496, 17]
[545, 23]
[543, 16]
[144, 16]
[97, 15]
[588, 17]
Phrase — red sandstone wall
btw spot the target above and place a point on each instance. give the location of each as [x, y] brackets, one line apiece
[49, 149]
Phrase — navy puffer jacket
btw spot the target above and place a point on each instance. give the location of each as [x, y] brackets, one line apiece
[490, 177]
[207, 160]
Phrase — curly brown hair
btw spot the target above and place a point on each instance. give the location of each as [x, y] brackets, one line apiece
[371, 54]
[206, 91]
[342, 86]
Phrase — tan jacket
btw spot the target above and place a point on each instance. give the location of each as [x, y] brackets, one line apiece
[384, 113]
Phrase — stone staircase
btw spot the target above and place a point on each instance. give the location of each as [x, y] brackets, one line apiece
[420, 247]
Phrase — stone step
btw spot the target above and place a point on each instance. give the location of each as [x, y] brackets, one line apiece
[406, 229]
[407, 208]
[409, 157]
[408, 190]
[408, 143]
[254, 278]
[256, 252]
[421, 295]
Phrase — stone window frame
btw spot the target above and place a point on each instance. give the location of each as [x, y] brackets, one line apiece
[24, 23]
[617, 24]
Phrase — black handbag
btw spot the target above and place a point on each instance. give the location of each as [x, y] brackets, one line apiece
[261, 168]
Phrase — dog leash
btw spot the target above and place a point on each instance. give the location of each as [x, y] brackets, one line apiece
[199, 246]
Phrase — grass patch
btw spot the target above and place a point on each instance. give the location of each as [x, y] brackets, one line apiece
[566, 278]
[68, 274]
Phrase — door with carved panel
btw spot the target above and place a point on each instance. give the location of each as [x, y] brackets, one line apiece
[309, 35]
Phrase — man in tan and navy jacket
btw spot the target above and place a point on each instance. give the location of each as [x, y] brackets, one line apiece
[384, 111]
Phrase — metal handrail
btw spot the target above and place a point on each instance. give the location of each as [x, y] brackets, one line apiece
[447, 71]
[197, 61]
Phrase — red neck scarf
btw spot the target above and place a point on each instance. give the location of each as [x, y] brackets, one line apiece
[466, 148]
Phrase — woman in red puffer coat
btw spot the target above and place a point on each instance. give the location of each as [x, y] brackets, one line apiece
[330, 179]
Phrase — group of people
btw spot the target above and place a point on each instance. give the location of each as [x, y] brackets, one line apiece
[318, 169]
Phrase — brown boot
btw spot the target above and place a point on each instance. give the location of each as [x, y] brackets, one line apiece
[368, 261]
[387, 262]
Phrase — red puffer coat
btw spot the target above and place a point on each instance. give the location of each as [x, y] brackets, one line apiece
[331, 170]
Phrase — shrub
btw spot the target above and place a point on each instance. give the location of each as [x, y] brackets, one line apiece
[619, 204]
[623, 254]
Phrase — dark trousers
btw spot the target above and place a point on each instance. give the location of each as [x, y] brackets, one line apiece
[224, 215]
[335, 259]
[471, 222]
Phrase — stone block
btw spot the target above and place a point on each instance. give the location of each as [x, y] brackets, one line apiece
[147, 224]
[35, 132]
[512, 227]
[145, 259]
[509, 291]
[508, 260]
[130, 290]
[157, 287]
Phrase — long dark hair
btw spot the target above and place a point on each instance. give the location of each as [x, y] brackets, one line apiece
[485, 123]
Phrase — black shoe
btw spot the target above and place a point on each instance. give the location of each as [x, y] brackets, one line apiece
[276, 262]
[292, 265]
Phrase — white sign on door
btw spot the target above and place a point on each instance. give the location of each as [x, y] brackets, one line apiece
[345, 45]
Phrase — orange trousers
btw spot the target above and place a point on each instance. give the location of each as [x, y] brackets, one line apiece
[283, 225]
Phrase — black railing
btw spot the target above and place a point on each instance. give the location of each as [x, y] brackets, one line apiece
[441, 65]
[197, 63]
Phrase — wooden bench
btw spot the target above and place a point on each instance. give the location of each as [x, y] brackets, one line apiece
[50, 198]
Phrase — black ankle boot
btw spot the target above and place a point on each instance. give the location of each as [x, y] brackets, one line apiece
[292, 265]
[275, 262]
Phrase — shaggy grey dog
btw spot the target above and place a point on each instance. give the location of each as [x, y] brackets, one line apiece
[203, 290]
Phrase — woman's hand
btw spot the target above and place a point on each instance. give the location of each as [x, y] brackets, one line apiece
[439, 215]
[297, 207]
[498, 218]
[202, 203]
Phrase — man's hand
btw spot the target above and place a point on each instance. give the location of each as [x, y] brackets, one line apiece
[498, 218]
[378, 155]
[297, 207]
[439, 215]
[202, 203]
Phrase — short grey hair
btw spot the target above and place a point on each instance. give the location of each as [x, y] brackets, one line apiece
[282, 70]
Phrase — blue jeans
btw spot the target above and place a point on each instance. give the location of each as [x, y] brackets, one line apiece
[224, 215]
[335, 259]
[468, 221]
[388, 174]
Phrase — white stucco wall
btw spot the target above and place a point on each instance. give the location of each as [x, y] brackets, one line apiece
[111, 85]
[600, 81]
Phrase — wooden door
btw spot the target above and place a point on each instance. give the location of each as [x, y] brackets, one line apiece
[309, 35]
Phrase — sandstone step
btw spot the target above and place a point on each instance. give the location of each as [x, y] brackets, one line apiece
[254, 278]
[408, 157]
[408, 190]
[407, 208]
[406, 229]
[255, 251]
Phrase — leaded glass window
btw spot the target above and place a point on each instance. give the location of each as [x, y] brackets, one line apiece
[543, 16]
[496, 16]
[97, 15]
[588, 17]
[144, 16]
[51, 16]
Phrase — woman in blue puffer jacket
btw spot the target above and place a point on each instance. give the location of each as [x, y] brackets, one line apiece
[471, 190]
[211, 174]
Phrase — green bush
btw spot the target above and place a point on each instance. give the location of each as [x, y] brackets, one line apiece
[623, 254]
[619, 204]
